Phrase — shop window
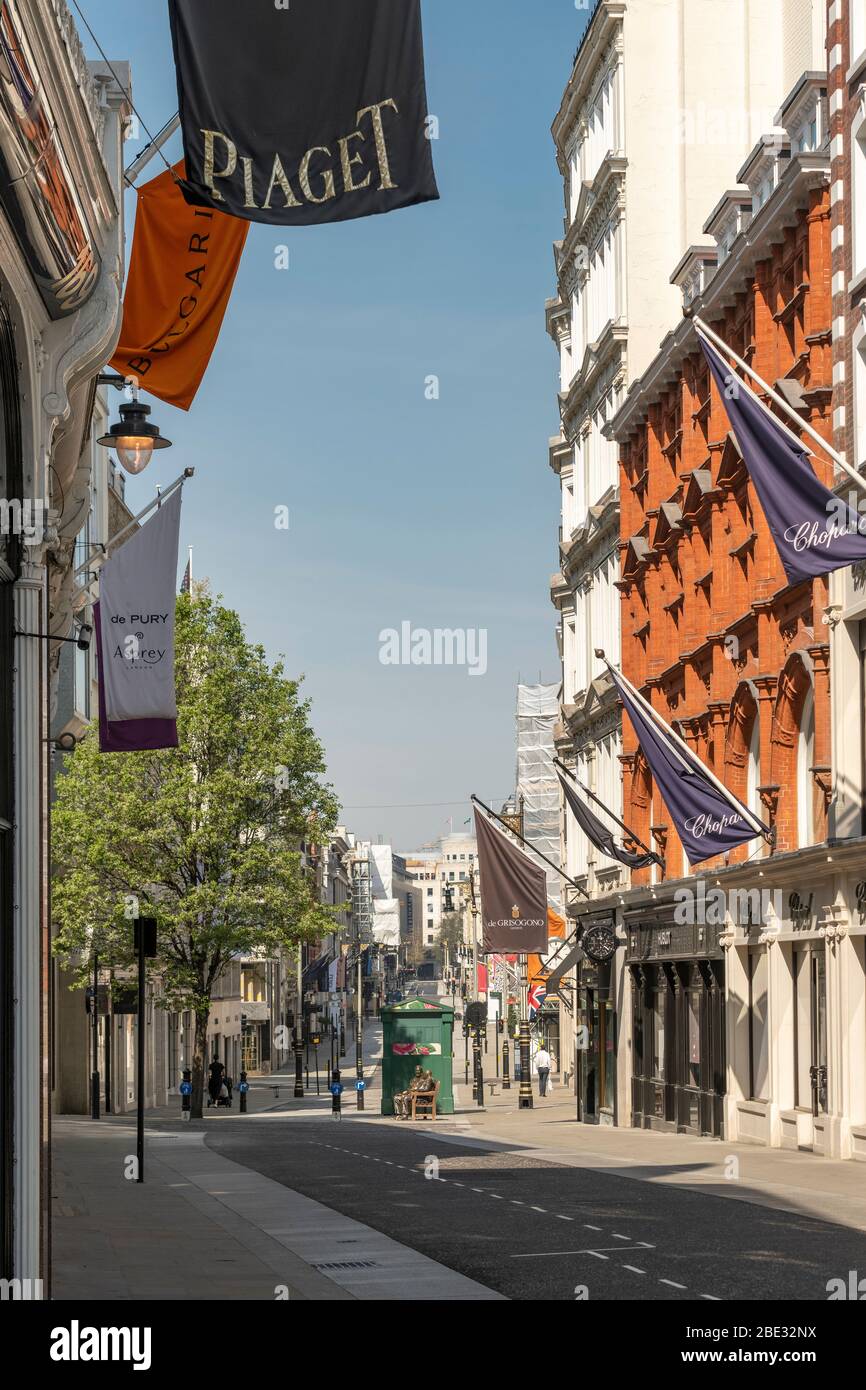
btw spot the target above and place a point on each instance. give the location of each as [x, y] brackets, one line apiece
[659, 1000]
[759, 1037]
[693, 1039]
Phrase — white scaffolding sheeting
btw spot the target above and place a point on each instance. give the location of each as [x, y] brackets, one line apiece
[386, 921]
[537, 713]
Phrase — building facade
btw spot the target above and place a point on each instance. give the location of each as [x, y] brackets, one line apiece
[639, 172]
[62, 124]
[742, 1008]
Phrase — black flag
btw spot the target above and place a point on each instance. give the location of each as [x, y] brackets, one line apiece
[513, 894]
[599, 834]
[304, 113]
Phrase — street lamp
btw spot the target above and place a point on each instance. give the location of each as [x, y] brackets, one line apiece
[131, 437]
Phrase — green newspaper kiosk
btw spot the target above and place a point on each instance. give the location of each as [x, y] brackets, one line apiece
[417, 1033]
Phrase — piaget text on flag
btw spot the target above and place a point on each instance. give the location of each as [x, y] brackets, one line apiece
[323, 174]
[302, 114]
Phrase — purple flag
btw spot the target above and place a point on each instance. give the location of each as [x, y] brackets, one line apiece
[815, 532]
[597, 832]
[709, 819]
[128, 735]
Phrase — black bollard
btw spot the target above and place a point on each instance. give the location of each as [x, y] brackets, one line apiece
[186, 1093]
[506, 1077]
[243, 1087]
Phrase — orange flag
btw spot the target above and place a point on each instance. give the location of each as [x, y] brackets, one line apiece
[184, 262]
[555, 928]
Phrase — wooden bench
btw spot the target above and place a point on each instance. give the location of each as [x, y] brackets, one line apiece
[428, 1100]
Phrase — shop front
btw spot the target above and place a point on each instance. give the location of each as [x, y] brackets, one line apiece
[678, 994]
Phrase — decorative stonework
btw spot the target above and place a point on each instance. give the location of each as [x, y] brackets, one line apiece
[78, 63]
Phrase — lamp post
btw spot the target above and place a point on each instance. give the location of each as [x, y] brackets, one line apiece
[298, 1033]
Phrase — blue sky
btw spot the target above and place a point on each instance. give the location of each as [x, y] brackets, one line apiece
[441, 513]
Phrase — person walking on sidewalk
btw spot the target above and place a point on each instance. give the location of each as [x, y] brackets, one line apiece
[542, 1063]
[215, 1080]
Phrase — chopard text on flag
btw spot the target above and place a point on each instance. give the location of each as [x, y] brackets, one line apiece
[135, 637]
[599, 834]
[513, 894]
[304, 113]
[815, 532]
[183, 266]
[709, 819]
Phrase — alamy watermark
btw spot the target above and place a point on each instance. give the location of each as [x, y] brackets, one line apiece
[25, 519]
[440, 646]
[714, 907]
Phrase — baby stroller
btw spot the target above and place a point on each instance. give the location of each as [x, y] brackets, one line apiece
[225, 1096]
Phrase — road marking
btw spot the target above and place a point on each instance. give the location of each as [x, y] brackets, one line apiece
[634, 1269]
[516, 1203]
[672, 1285]
[587, 1227]
[563, 1218]
[711, 1297]
[496, 1197]
[617, 1237]
[542, 1209]
[596, 1253]
[479, 1189]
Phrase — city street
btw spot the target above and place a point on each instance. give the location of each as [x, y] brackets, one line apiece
[532, 1229]
[487, 1202]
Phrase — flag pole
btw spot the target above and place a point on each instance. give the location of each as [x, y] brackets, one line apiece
[753, 820]
[622, 825]
[178, 482]
[529, 845]
[704, 328]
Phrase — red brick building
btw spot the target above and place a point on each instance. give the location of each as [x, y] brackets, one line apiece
[711, 631]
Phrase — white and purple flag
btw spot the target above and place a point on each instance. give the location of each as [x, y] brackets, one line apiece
[814, 530]
[709, 819]
[135, 637]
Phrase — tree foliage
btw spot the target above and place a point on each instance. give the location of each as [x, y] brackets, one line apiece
[206, 835]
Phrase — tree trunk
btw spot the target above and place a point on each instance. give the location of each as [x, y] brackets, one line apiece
[198, 1064]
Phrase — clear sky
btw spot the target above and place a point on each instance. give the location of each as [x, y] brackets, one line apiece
[442, 513]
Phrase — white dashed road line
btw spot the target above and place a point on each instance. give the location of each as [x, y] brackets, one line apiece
[516, 1202]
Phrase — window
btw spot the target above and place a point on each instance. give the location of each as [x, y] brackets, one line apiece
[805, 761]
[759, 1033]
[858, 192]
[753, 778]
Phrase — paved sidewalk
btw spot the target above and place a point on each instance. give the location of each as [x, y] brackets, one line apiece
[203, 1227]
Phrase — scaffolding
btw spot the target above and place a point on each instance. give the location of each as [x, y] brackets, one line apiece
[537, 783]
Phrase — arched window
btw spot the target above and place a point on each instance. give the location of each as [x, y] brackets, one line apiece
[805, 761]
[753, 775]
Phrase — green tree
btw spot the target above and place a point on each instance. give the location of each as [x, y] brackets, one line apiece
[206, 835]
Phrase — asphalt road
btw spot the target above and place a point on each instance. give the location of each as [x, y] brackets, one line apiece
[536, 1230]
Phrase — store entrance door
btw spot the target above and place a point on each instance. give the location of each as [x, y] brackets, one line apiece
[595, 1045]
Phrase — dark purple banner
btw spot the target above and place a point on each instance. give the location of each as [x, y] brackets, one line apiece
[814, 531]
[708, 822]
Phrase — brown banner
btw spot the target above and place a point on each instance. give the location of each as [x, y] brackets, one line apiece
[513, 894]
[184, 263]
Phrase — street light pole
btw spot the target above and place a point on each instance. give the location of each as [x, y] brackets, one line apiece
[94, 1075]
[299, 1029]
